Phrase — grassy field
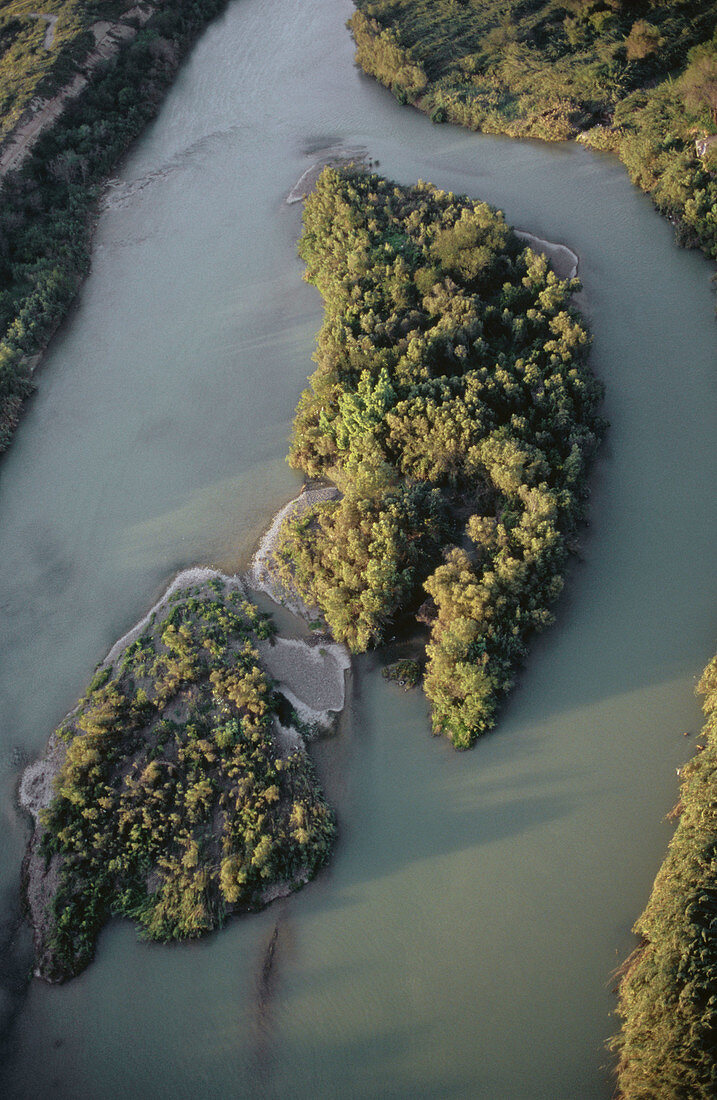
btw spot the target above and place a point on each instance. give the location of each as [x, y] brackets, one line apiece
[31, 66]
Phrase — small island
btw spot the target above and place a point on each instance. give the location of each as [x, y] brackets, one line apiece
[177, 791]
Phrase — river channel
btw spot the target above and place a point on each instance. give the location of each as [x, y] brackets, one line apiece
[462, 940]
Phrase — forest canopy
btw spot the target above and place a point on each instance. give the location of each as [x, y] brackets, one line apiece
[453, 407]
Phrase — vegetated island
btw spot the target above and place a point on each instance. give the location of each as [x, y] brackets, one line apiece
[453, 408]
[634, 77]
[179, 791]
[668, 990]
[454, 412]
[71, 103]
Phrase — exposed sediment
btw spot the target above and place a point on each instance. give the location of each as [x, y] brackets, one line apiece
[187, 578]
[40, 877]
[311, 674]
[263, 574]
[562, 259]
[43, 113]
[337, 158]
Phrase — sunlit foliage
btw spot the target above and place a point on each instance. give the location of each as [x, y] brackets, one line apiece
[174, 806]
[452, 406]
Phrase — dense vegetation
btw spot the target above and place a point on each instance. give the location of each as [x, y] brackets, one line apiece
[453, 407]
[668, 995]
[46, 206]
[174, 806]
[637, 77]
[27, 68]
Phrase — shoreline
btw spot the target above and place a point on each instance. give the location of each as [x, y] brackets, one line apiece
[563, 260]
[55, 120]
[336, 157]
[446, 100]
[310, 675]
[262, 574]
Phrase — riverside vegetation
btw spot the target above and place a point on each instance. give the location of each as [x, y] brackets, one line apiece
[30, 66]
[46, 205]
[174, 805]
[668, 992]
[638, 79]
[635, 77]
[453, 407]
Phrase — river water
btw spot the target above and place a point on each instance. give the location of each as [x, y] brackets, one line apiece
[462, 940]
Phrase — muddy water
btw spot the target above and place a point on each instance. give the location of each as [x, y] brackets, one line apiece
[460, 945]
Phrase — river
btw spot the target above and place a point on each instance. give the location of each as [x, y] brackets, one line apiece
[462, 940]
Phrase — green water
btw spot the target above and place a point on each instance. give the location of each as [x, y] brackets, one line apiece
[462, 940]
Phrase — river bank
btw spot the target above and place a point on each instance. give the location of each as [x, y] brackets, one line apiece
[455, 67]
[109, 39]
[668, 985]
[562, 259]
[51, 170]
[263, 574]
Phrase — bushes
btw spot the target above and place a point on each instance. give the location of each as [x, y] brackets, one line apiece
[668, 992]
[173, 806]
[27, 68]
[378, 52]
[361, 559]
[452, 405]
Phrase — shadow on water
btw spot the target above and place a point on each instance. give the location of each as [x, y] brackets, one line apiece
[401, 795]
[16, 962]
[274, 951]
[370, 1070]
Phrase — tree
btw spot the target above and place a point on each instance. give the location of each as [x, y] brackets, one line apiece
[699, 82]
[642, 41]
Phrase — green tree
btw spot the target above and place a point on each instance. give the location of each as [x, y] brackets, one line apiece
[699, 82]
